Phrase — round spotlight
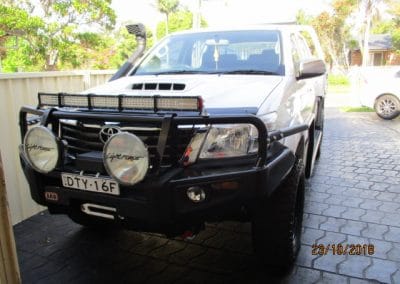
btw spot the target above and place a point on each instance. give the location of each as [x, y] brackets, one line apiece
[196, 194]
[41, 149]
[126, 158]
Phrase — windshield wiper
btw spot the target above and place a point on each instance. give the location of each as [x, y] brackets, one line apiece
[181, 72]
[250, 71]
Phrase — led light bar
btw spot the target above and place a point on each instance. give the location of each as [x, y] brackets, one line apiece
[121, 102]
[172, 103]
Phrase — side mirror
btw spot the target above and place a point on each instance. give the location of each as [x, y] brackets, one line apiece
[311, 68]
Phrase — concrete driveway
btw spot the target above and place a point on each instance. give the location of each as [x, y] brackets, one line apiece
[353, 199]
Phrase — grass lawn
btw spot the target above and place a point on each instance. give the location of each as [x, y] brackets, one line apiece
[339, 88]
[338, 84]
[356, 109]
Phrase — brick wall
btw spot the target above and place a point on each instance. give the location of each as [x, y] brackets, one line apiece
[391, 58]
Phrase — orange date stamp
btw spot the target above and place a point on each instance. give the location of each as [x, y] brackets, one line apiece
[343, 249]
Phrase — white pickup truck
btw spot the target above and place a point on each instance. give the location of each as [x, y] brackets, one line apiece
[207, 126]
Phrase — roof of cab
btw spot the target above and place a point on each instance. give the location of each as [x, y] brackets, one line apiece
[279, 27]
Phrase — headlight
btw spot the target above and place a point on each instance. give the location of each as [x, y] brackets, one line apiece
[126, 158]
[41, 149]
[225, 141]
[270, 120]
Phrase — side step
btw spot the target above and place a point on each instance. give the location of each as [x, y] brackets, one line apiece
[99, 210]
[317, 142]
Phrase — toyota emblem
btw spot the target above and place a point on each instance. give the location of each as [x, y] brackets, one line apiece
[107, 131]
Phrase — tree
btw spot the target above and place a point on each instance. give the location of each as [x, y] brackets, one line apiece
[179, 21]
[332, 30]
[370, 10]
[18, 40]
[167, 7]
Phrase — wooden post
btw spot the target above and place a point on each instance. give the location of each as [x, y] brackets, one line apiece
[9, 270]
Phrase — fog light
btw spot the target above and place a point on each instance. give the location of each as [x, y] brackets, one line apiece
[196, 194]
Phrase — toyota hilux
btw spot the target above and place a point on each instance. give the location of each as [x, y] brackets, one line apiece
[206, 126]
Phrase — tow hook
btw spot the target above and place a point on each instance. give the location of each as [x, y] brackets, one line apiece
[188, 236]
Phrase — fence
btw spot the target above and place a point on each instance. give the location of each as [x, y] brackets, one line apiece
[21, 89]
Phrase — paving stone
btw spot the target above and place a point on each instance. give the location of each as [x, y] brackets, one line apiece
[372, 216]
[333, 224]
[305, 275]
[352, 201]
[338, 190]
[314, 221]
[393, 234]
[370, 204]
[375, 171]
[392, 219]
[375, 231]
[381, 248]
[364, 184]
[353, 213]
[328, 262]
[334, 210]
[353, 227]
[394, 188]
[310, 236]
[305, 256]
[381, 270]
[379, 186]
[389, 207]
[354, 265]
[330, 278]
[316, 196]
[396, 277]
[332, 238]
[184, 256]
[353, 192]
[394, 253]
[315, 207]
[335, 199]
[386, 196]
[356, 240]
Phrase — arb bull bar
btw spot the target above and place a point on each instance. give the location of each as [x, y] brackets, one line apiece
[166, 186]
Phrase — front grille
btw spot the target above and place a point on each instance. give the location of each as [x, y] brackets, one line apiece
[83, 138]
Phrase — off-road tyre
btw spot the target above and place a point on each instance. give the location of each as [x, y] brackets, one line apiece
[277, 223]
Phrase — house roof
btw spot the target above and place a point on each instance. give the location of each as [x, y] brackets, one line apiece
[380, 42]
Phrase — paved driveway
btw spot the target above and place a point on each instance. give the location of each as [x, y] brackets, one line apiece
[353, 198]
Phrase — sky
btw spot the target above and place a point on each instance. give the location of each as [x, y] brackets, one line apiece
[222, 12]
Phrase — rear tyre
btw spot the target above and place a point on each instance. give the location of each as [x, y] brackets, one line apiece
[277, 223]
[387, 106]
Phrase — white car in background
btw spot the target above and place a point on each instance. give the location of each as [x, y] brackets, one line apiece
[380, 89]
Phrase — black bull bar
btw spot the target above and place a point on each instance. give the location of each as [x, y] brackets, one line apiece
[164, 120]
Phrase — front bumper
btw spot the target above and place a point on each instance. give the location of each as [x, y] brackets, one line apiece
[160, 203]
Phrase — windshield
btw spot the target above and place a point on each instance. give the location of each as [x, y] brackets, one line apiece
[230, 52]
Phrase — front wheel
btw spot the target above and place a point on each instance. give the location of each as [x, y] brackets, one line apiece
[277, 223]
[387, 106]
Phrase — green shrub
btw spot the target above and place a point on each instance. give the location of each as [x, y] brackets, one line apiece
[338, 80]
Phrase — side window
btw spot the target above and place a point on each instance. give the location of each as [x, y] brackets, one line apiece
[310, 43]
[305, 52]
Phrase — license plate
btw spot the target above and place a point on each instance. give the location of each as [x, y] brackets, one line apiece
[101, 185]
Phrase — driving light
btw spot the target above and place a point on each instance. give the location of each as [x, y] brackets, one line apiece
[41, 149]
[225, 141]
[126, 158]
[196, 194]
